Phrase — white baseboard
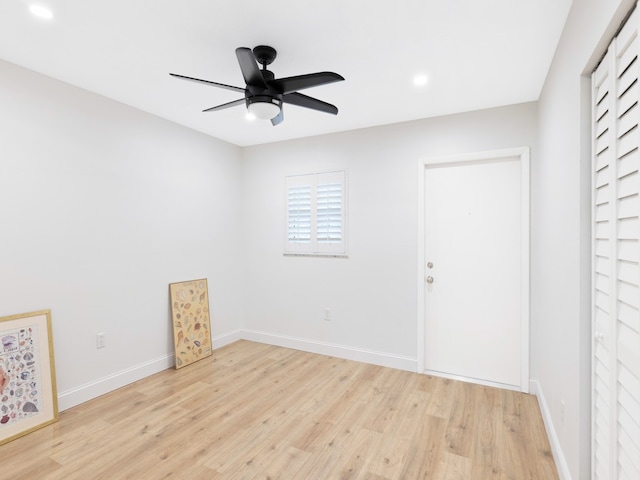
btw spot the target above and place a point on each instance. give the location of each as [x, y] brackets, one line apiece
[101, 386]
[226, 339]
[333, 350]
[556, 449]
[91, 390]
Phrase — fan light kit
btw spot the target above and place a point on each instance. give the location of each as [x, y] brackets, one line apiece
[263, 107]
[264, 95]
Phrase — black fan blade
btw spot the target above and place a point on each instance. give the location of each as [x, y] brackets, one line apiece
[277, 120]
[300, 82]
[216, 84]
[249, 67]
[309, 102]
[240, 101]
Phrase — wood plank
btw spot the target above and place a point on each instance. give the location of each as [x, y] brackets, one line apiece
[255, 411]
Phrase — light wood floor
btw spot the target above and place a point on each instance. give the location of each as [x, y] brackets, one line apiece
[255, 411]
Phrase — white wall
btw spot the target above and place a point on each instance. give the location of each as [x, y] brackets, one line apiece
[373, 294]
[560, 299]
[101, 207]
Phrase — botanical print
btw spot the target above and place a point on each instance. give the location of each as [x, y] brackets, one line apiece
[20, 390]
[191, 325]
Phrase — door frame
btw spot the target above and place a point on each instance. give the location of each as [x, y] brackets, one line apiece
[471, 158]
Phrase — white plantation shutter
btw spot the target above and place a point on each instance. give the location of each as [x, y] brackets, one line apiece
[316, 214]
[616, 260]
[299, 214]
[329, 213]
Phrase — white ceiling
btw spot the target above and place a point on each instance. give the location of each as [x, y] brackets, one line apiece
[476, 53]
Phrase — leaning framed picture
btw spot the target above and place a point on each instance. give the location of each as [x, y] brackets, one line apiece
[28, 396]
[191, 322]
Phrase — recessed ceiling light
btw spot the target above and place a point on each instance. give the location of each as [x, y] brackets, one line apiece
[420, 80]
[41, 11]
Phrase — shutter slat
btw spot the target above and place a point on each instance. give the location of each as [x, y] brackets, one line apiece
[628, 99]
[603, 141]
[629, 163]
[628, 294]
[601, 93]
[627, 78]
[628, 142]
[628, 185]
[629, 250]
[628, 121]
[602, 266]
[624, 41]
[602, 301]
[601, 113]
[602, 247]
[603, 159]
[628, 272]
[601, 229]
[629, 316]
[602, 195]
[602, 177]
[602, 212]
[629, 206]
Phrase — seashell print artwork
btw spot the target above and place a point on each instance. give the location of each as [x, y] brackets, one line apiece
[21, 374]
[191, 321]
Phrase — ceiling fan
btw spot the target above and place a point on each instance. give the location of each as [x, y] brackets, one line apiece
[264, 94]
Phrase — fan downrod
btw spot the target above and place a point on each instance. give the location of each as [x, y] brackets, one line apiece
[265, 55]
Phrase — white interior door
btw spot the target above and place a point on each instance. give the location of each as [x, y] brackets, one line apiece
[474, 271]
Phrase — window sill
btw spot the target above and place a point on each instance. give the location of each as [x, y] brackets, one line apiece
[330, 255]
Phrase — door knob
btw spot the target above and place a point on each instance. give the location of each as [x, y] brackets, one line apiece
[429, 279]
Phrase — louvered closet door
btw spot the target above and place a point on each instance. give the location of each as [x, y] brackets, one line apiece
[616, 260]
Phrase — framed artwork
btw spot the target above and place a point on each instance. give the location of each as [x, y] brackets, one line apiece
[191, 322]
[28, 396]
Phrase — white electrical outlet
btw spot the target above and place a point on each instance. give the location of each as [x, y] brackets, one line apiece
[100, 340]
[327, 314]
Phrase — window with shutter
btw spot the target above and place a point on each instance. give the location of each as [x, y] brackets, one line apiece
[316, 214]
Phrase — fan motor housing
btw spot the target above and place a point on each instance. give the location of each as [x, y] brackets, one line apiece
[264, 99]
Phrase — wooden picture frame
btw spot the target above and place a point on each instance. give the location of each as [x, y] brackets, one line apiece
[28, 395]
[190, 321]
